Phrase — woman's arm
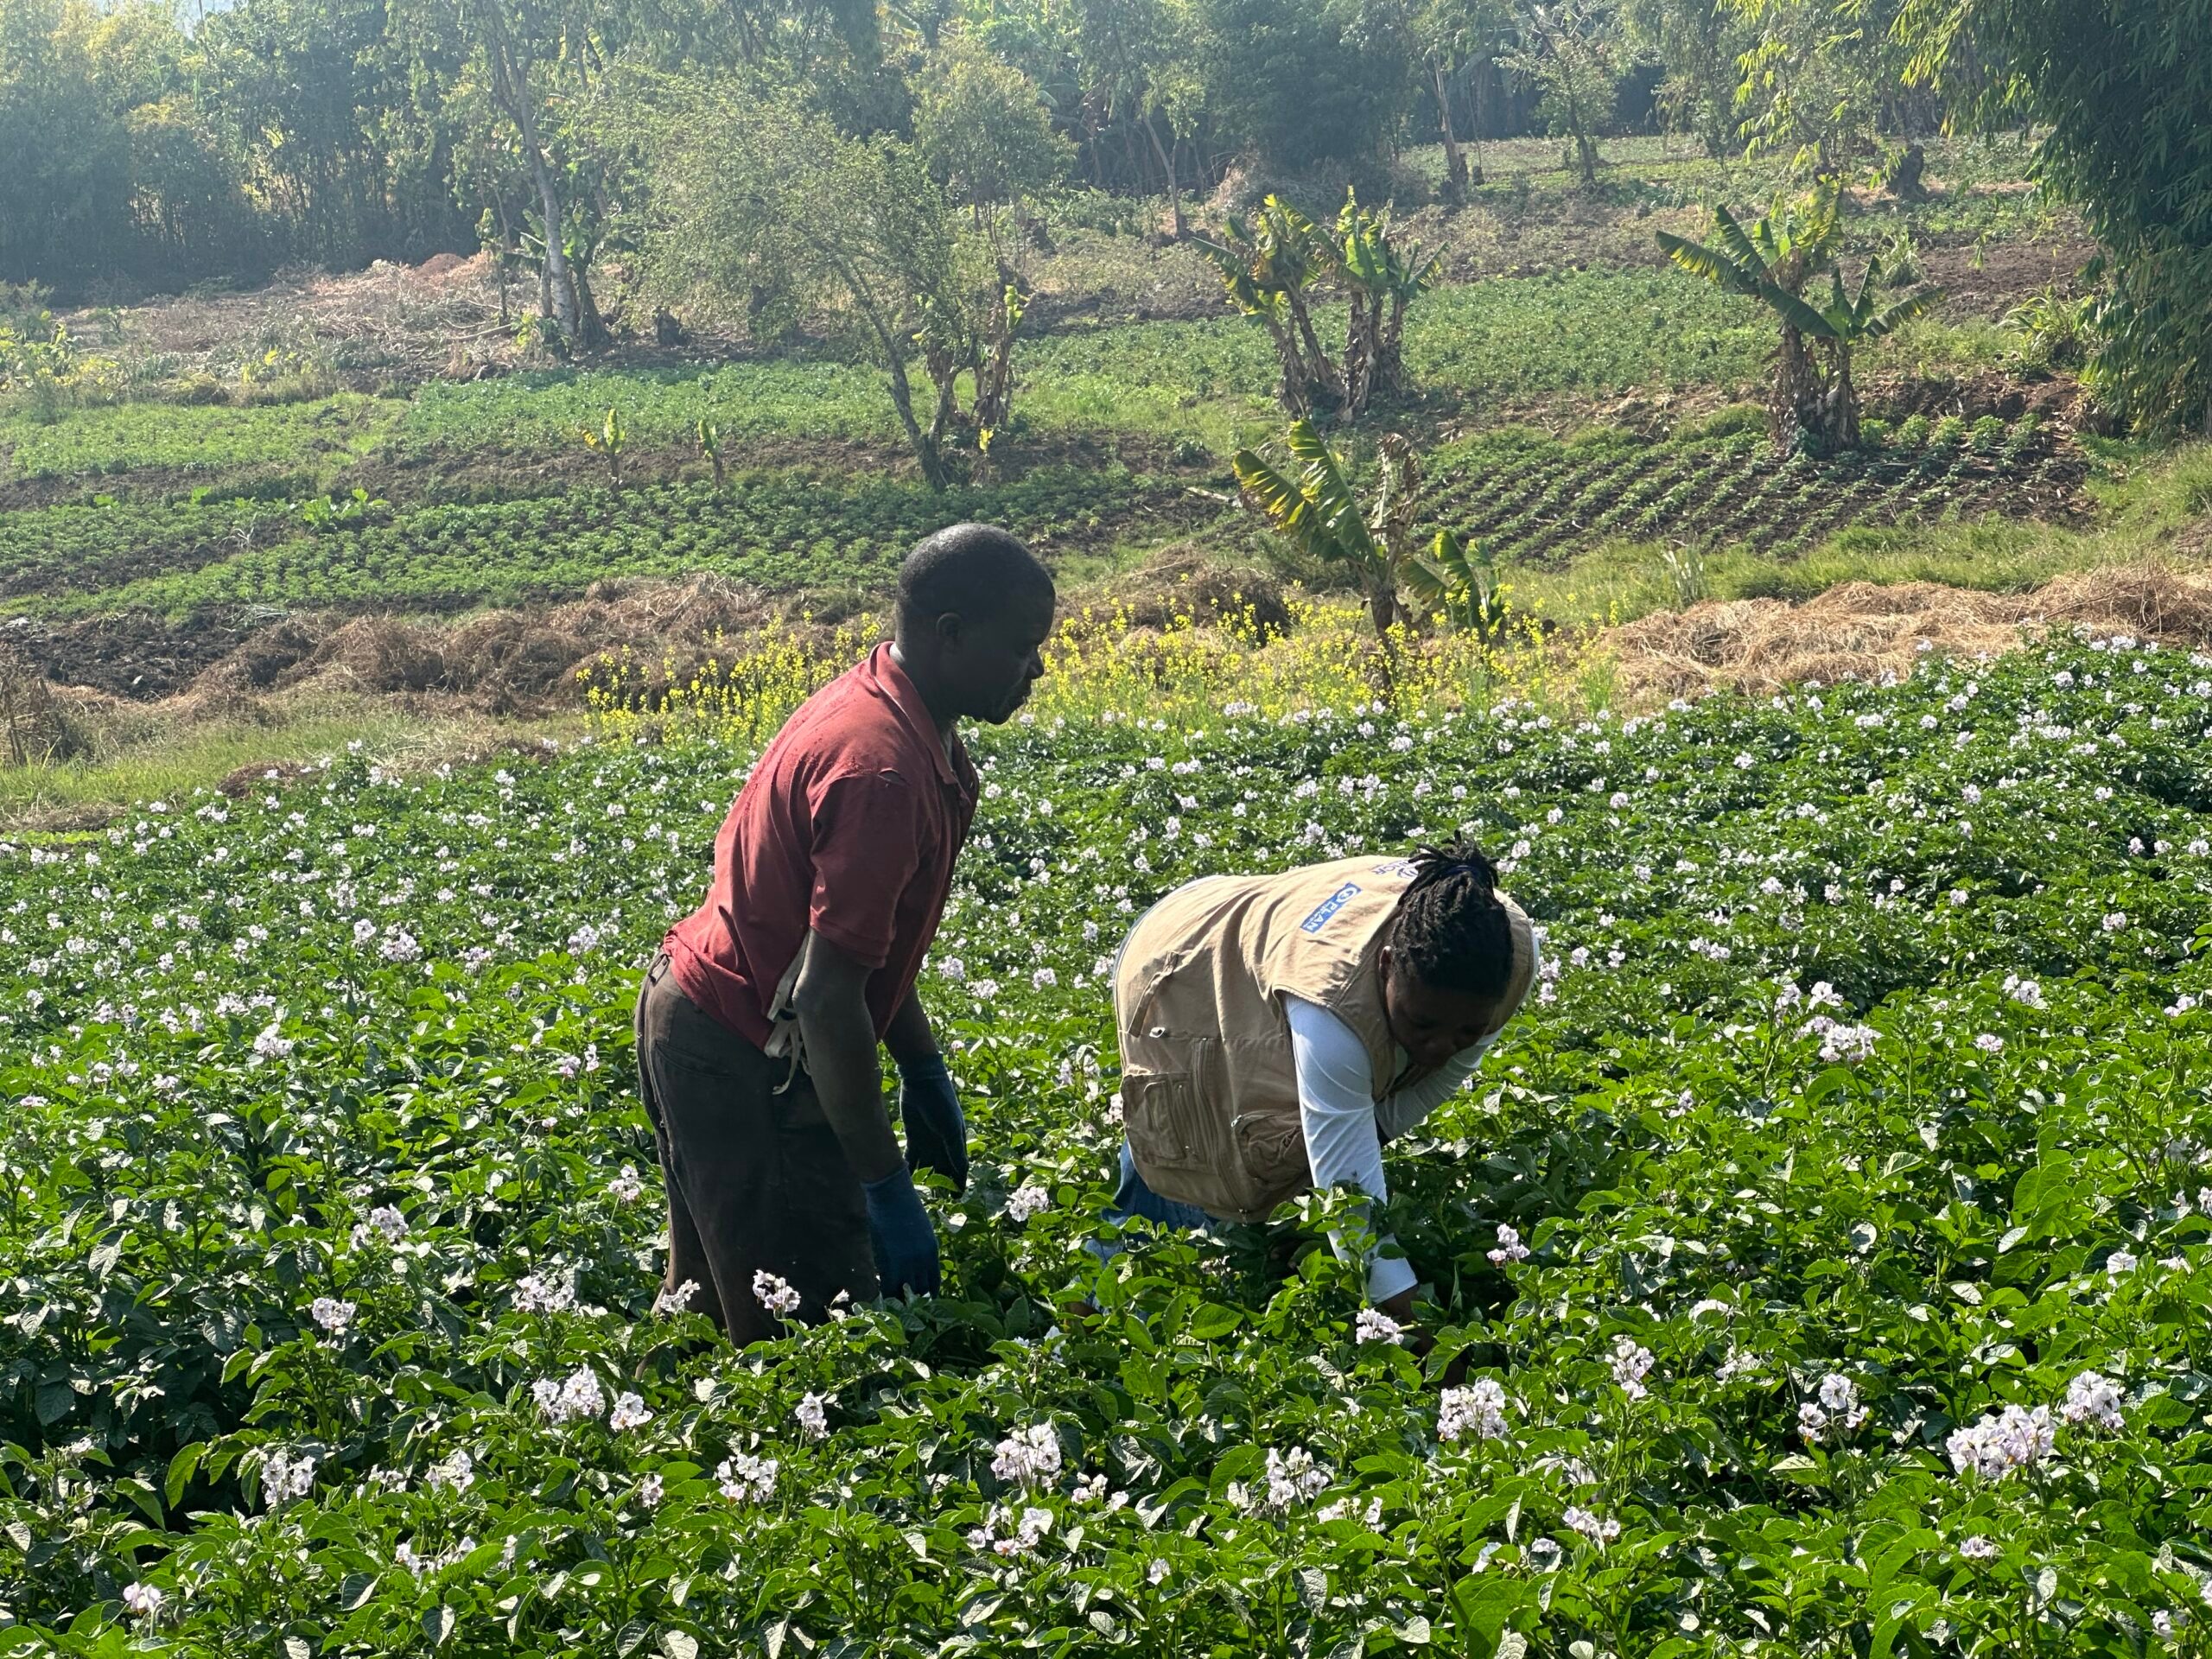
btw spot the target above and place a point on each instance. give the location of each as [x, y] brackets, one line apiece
[1336, 1107]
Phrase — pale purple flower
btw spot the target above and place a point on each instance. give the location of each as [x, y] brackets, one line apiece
[333, 1315]
[1598, 1532]
[285, 1476]
[747, 1480]
[142, 1601]
[813, 1417]
[1509, 1247]
[1478, 1410]
[629, 1411]
[775, 1294]
[1029, 1456]
[1631, 1364]
[1375, 1325]
[1026, 1200]
[577, 1397]
[2093, 1399]
[2002, 1441]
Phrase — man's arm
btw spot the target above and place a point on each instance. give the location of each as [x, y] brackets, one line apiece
[839, 1036]
[831, 1001]
[909, 1037]
[929, 1104]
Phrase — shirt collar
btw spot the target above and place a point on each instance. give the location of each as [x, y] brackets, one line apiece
[893, 683]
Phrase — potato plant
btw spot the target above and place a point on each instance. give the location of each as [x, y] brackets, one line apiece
[1819, 1266]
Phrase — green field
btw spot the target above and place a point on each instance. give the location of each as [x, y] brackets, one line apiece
[1855, 1151]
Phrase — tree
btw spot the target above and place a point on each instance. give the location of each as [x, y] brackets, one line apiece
[982, 127]
[1821, 84]
[1698, 42]
[1570, 54]
[762, 207]
[1317, 511]
[1772, 261]
[110, 167]
[2122, 88]
[538, 63]
[1846, 321]
[1454, 34]
[1298, 85]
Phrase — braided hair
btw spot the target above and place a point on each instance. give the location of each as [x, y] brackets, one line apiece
[1450, 931]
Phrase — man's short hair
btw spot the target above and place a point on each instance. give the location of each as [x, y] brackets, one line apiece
[973, 570]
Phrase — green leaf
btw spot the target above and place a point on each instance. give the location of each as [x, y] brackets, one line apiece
[437, 1625]
[181, 1468]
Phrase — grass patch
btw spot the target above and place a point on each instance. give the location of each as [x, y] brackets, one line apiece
[321, 437]
[146, 756]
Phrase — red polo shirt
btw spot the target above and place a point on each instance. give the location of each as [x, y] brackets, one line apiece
[848, 824]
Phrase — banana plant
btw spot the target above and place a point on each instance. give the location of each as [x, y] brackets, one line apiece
[711, 446]
[1461, 585]
[609, 438]
[1846, 321]
[1382, 277]
[1771, 260]
[1316, 510]
[1268, 268]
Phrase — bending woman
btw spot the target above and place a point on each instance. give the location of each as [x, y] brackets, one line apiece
[1276, 1030]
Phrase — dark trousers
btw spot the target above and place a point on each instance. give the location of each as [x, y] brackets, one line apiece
[756, 1179]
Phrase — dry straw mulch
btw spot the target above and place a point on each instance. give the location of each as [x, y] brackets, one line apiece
[1860, 630]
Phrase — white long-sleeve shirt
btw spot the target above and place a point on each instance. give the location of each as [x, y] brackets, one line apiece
[1345, 1125]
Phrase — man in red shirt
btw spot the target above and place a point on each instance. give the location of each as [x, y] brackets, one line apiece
[758, 1021]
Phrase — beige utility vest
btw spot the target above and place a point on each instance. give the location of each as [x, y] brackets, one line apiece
[1208, 1088]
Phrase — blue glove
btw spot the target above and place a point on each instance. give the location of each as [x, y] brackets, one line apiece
[899, 1228]
[936, 1133]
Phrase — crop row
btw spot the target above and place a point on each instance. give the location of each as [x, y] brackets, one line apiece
[1537, 502]
[781, 532]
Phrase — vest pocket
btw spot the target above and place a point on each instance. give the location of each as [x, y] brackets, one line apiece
[1176, 1118]
[1271, 1147]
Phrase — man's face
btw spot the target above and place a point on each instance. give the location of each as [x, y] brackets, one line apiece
[991, 660]
[1432, 1024]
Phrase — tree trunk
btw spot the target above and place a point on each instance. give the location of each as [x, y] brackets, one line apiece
[1796, 401]
[507, 251]
[1293, 393]
[1321, 373]
[1179, 227]
[511, 88]
[925, 444]
[1390, 351]
[1360, 348]
[1586, 154]
[1455, 161]
[591, 328]
[1840, 402]
[1482, 80]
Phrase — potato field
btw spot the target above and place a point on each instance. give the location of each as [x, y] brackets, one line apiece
[1820, 1260]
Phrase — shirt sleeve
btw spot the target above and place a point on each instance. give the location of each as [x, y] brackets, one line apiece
[866, 846]
[1336, 1107]
[1407, 1107]
[1411, 1105]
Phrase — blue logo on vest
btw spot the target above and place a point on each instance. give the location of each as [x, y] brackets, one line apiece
[1327, 908]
